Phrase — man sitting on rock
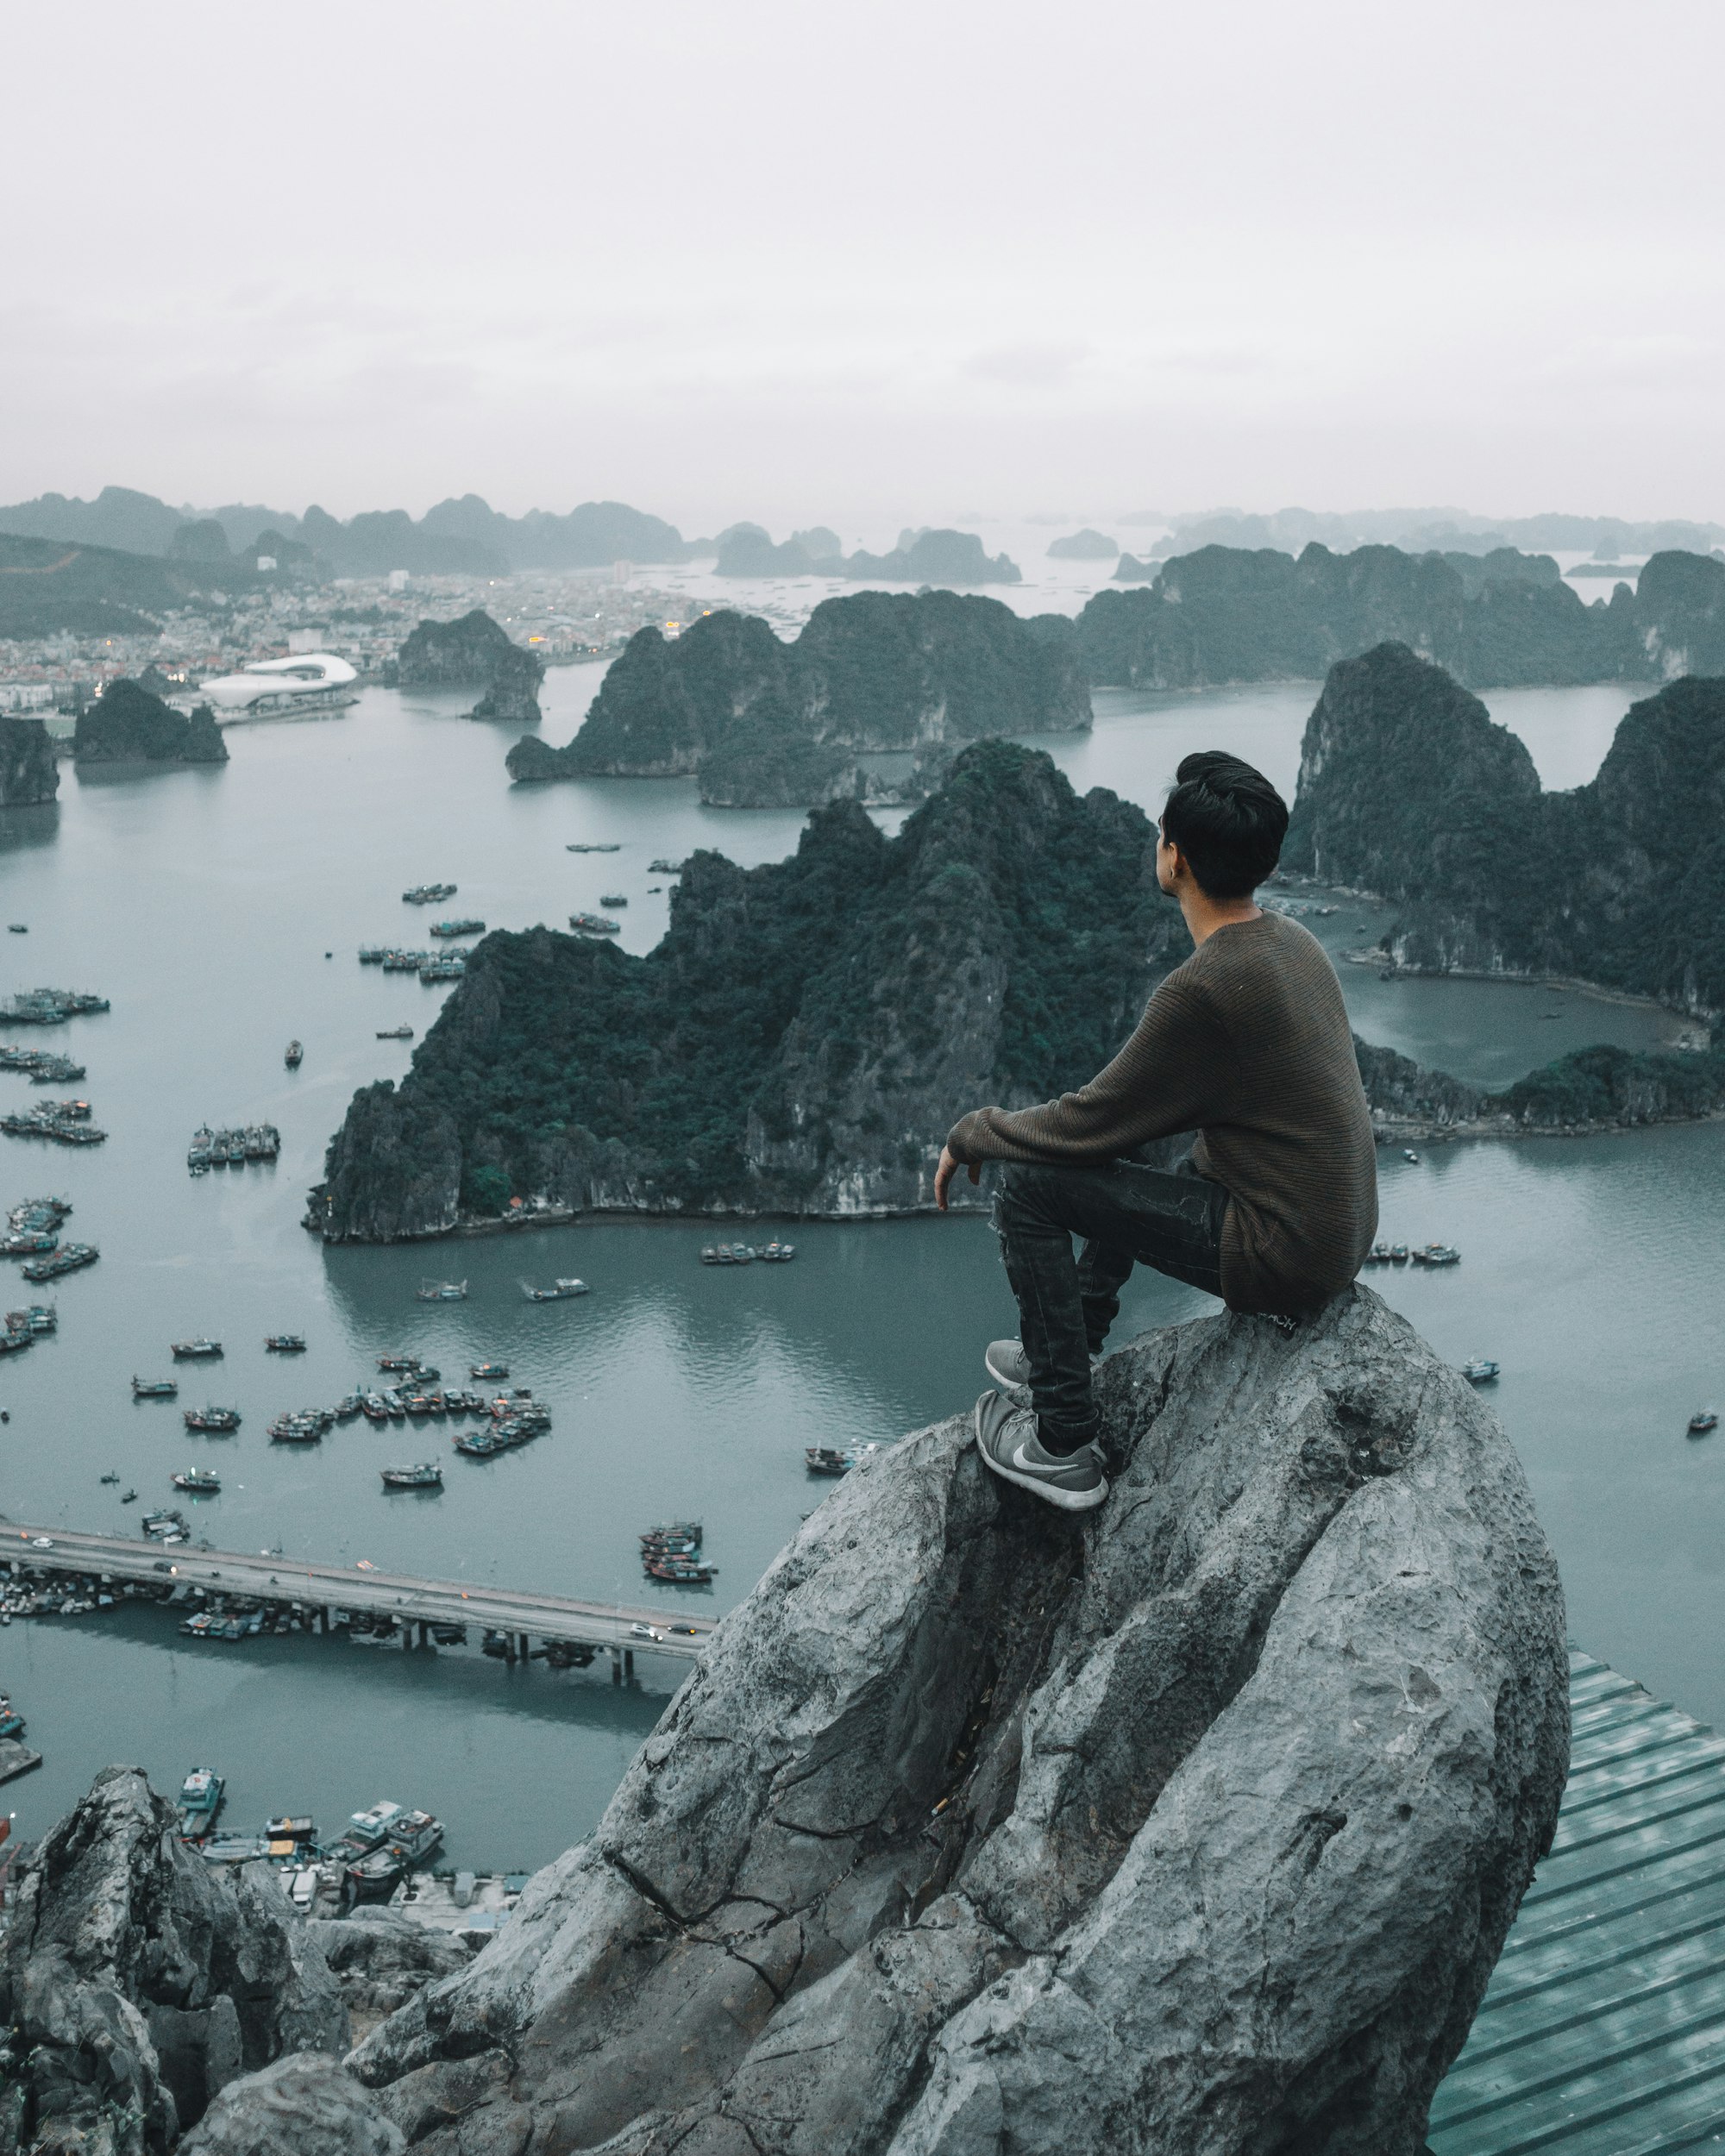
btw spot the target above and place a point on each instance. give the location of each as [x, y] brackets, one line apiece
[1275, 1206]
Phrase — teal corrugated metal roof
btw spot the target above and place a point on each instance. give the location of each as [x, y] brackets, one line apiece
[1602, 2029]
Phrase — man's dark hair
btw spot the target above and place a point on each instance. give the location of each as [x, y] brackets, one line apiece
[1228, 821]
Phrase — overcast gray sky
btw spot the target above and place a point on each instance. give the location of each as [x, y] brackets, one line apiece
[799, 261]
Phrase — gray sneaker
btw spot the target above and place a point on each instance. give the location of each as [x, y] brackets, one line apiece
[1006, 1439]
[1009, 1366]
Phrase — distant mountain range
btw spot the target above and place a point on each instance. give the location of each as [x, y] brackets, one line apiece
[464, 537]
[1427, 530]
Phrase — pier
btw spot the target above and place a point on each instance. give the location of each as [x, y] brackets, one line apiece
[517, 1615]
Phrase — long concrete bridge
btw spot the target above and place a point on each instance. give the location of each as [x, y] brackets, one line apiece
[517, 1615]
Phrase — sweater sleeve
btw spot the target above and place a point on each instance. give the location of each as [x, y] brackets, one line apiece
[1171, 1075]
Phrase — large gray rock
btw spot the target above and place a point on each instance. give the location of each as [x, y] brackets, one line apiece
[381, 1958]
[303, 2105]
[138, 1980]
[1196, 1826]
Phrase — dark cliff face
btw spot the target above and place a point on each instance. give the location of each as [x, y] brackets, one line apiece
[1498, 620]
[30, 776]
[127, 724]
[804, 1037]
[474, 652]
[1408, 788]
[771, 725]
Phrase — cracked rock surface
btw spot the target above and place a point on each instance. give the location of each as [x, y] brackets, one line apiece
[1195, 1825]
[137, 1981]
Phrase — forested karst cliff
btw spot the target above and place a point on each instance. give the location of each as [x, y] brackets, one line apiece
[474, 652]
[127, 724]
[803, 1037]
[1499, 620]
[766, 724]
[1407, 787]
[29, 776]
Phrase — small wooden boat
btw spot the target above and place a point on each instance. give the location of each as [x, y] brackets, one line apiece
[425, 1474]
[295, 1055]
[1481, 1370]
[1702, 1421]
[442, 1291]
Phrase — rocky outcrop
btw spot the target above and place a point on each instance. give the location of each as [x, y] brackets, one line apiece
[128, 724]
[1408, 788]
[29, 774]
[1498, 619]
[138, 1981]
[303, 2105]
[474, 652]
[766, 724]
[1083, 546]
[381, 1958]
[803, 1038]
[934, 557]
[1196, 1827]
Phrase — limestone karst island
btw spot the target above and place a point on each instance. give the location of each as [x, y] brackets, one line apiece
[864, 1073]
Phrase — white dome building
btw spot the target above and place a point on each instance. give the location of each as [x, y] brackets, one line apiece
[302, 686]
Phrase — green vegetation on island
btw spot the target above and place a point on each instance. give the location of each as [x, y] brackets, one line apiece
[474, 652]
[766, 724]
[1408, 788]
[129, 724]
[1496, 620]
[29, 776]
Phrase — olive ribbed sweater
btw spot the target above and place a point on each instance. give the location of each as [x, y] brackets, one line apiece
[1248, 1043]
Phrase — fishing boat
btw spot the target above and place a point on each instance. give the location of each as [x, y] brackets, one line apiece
[198, 1481]
[447, 929]
[427, 893]
[11, 1721]
[1408, 1153]
[165, 1526]
[1378, 1254]
[613, 898]
[559, 1291]
[396, 1033]
[112, 1478]
[304, 1428]
[1481, 1370]
[294, 1056]
[285, 1342]
[594, 847]
[398, 1362]
[194, 1350]
[594, 925]
[220, 1419]
[664, 867]
[488, 1373]
[1437, 1254]
[128, 1497]
[442, 1291]
[153, 1389]
[776, 1253]
[200, 1799]
[1702, 1421]
[681, 1571]
[683, 1533]
[1398, 1253]
[424, 1474]
[827, 1459]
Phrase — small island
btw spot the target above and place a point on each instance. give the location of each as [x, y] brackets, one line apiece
[764, 724]
[1083, 546]
[474, 652]
[128, 724]
[29, 774]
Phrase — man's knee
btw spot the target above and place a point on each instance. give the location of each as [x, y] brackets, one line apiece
[1020, 1193]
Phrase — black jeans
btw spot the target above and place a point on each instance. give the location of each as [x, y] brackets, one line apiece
[1127, 1214]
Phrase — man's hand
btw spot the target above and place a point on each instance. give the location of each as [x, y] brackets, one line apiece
[947, 1169]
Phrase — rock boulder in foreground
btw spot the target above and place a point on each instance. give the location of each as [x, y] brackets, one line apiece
[137, 1981]
[1195, 1828]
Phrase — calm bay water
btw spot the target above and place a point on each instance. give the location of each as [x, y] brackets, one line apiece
[203, 903]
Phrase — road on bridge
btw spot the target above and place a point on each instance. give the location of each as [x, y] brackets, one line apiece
[273, 1578]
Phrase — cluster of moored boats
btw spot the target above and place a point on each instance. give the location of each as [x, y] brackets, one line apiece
[448, 929]
[429, 965]
[69, 1258]
[23, 1328]
[746, 1253]
[65, 1122]
[672, 1551]
[368, 1860]
[40, 1067]
[427, 893]
[1434, 1254]
[232, 1149]
[50, 1006]
[33, 1227]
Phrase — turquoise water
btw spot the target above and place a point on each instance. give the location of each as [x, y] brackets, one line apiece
[203, 903]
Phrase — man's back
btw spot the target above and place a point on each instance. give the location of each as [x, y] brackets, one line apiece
[1289, 1134]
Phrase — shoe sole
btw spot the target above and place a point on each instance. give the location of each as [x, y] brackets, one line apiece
[1050, 1493]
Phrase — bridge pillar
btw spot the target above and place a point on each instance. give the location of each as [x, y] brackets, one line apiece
[526, 1648]
[629, 1664]
[423, 1633]
[616, 1666]
[322, 1617]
